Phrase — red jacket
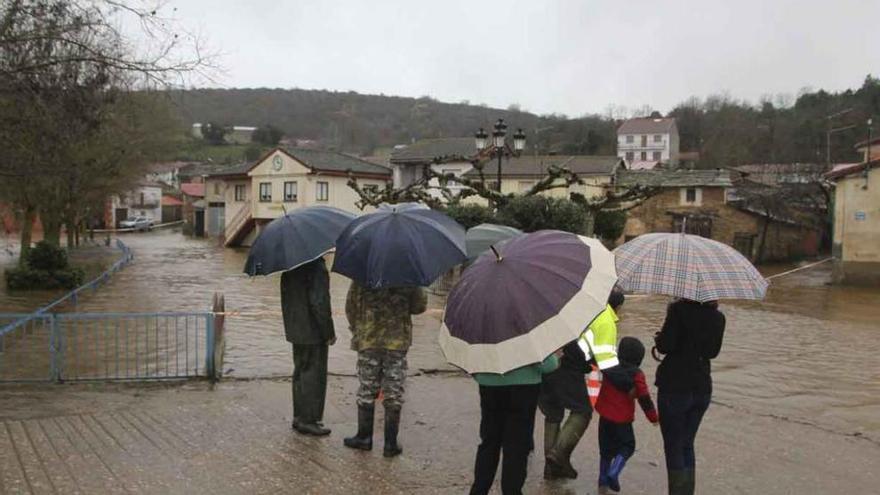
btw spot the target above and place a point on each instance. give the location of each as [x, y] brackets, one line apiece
[618, 406]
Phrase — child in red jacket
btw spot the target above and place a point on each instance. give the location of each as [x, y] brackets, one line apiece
[622, 385]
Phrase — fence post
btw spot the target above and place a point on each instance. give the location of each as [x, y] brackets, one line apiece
[217, 345]
[56, 348]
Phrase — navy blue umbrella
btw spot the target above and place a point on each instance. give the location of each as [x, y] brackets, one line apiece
[295, 239]
[399, 248]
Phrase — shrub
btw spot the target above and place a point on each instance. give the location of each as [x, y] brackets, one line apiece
[45, 256]
[531, 213]
[470, 215]
[45, 267]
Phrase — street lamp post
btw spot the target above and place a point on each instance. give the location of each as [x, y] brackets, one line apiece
[498, 150]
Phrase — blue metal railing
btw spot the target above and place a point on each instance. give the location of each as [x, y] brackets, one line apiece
[73, 296]
[108, 346]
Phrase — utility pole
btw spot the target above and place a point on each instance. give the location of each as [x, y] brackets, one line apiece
[830, 131]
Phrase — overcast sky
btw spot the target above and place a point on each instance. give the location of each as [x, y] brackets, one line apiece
[571, 57]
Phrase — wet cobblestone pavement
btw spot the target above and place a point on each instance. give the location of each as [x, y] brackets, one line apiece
[236, 438]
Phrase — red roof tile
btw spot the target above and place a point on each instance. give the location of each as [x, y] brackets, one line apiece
[171, 201]
[196, 189]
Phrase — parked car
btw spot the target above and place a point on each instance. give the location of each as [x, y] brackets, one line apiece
[136, 223]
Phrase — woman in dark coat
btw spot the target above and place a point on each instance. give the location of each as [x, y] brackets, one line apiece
[691, 336]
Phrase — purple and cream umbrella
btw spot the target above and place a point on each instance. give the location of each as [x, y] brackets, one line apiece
[525, 299]
[687, 266]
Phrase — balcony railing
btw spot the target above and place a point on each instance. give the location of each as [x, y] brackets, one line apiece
[650, 145]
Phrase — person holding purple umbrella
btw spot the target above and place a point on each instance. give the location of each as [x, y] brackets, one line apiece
[507, 410]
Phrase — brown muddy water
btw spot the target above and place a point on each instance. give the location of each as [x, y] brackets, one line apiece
[810, 352]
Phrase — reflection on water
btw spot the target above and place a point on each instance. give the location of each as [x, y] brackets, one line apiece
[809, 351]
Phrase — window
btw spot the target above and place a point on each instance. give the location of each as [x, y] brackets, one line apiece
[142, 199]
[239, 192]
[691, 195]
[658, 138]
[323, 191]
[644, 156]
[216, 188]
[644, 140]
[630, 138]
[290, 192]
[657, 156]
[630, 156]
[265, 192]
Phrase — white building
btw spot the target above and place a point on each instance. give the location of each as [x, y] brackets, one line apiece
[644, 142]
[145, 200]
[242, 199]
[409, 161]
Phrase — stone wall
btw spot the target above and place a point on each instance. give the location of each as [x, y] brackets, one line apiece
[729, 225]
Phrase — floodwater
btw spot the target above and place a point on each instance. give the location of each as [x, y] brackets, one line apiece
[810, 352]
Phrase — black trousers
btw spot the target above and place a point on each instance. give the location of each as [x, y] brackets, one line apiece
[680, 417]
[616, 439]
[507, 416]
[309, 382]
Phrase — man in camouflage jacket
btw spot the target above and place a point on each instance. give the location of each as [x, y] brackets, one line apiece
[381, 327]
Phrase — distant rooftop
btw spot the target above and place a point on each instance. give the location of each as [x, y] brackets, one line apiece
[647, 126]
[426, 150]
[530, 165]
[675, 178]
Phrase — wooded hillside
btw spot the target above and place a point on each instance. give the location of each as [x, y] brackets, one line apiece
[726, 131]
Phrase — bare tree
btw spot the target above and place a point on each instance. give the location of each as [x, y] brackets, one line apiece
[438, 195]
[76, 116]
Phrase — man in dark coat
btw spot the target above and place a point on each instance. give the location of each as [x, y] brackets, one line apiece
[308, 325]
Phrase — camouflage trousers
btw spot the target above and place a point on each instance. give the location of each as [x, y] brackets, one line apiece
[381, 369]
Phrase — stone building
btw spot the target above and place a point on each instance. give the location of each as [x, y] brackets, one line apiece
[702, 202]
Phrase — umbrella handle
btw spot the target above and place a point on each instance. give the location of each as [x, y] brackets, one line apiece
[498, 256]
[654, 354]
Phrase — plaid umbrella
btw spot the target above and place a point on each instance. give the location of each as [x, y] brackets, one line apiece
[687, 266]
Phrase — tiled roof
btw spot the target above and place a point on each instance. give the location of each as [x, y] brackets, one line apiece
[675, 178]
[333, 161]
[426, 150]
[647, 126]
[838, 173]
[862, 144]
[526, 165]
[195, 189]
[643, 165]
[171, 201]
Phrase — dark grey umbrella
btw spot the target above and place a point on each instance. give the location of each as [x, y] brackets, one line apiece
[479, 238]
[539, 293]
[295, 239]
[399, 248]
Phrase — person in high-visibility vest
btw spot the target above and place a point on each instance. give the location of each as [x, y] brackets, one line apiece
[566, 389]
[599, 341]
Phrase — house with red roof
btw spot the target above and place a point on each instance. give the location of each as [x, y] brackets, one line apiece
[648, 141]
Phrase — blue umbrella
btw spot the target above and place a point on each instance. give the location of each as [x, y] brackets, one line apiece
[295, 239]
[399, 248]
